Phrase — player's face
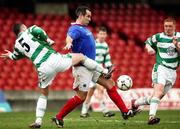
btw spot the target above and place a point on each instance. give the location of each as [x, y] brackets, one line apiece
[23, 27]
[101, 36]
[86, 18]
[169, 28]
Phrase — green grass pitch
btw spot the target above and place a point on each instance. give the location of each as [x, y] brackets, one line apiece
[170, 119]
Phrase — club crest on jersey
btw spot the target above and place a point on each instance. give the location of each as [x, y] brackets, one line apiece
[170, 51]
[88, 33]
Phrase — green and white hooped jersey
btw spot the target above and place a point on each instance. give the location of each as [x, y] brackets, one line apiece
[166, 52]
[102, 54]
[31, 44]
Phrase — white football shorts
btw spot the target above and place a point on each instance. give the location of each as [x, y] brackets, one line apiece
[164, 75]
[54, 64]
[83, 77]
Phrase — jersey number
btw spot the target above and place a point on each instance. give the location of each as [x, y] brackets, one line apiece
[24, 45]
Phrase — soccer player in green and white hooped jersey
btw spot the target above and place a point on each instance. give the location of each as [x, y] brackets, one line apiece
[34, 44]
[103, 58]
[167, 48]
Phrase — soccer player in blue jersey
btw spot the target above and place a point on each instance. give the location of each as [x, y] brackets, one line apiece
[81, 40]
[103, 58]
[34, 44]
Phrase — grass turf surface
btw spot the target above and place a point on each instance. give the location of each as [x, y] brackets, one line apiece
[170, 119]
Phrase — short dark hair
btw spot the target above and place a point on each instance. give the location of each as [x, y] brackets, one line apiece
[81, 10]
[170, 19]
[102, 28]
[16, 28]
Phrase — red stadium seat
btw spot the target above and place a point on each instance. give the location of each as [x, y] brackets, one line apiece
[129, 26]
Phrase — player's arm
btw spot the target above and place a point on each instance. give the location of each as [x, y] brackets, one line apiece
[8, 54]
[15, 55]
[72, 34]
[69, 41]
[150, 43]
[40, 34]
[176, 43]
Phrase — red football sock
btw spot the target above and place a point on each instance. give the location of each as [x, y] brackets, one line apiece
[116, 98]
[68, 107]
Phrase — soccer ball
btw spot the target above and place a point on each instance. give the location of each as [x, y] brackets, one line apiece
[124, 82]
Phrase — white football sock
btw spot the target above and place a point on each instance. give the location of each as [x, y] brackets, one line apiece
[103, 106]
[85, 108]
[93, 65]
[153, 106]
[41, 108]
[142, 101]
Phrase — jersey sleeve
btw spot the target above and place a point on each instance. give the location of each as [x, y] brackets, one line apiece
[107, 58]
[16, 55]
[38, 33]
[73, 33]
[152, 41]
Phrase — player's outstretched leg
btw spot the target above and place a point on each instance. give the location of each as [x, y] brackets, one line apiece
[116, 98]
[91, 64]
[66, 109]
[135, 103]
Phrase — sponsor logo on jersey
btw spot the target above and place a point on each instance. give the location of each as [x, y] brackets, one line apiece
[170, 51]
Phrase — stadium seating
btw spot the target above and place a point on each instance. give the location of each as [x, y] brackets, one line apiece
[128, 25]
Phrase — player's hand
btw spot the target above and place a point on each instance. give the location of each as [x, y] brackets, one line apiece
[6, 55]
[175, 41]
[151, 51]
[50, 41]
[68, 46]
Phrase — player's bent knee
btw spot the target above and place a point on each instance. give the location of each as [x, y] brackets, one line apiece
[81, 56]
[111, 82]
[158, 94]
[82, 95]
[83, 98]
[45, 91]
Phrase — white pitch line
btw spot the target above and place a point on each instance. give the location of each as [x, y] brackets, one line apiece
[123, 121]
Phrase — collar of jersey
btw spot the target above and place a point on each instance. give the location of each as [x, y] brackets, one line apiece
[19, 34]
[74, 23]
[175, 33]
